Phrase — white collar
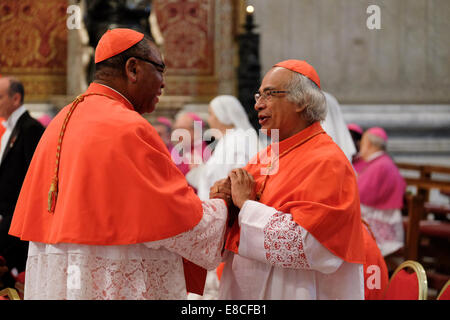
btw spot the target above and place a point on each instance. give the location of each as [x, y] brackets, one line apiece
[375, 155]
[14, 117]
[115, 91]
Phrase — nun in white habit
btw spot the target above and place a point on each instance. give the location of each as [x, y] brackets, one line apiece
[335, 126]
[236, 143]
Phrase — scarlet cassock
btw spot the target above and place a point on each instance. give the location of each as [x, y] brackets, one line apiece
[303, 238]
[107, 213]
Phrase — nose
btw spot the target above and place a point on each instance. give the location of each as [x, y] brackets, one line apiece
[259, 105]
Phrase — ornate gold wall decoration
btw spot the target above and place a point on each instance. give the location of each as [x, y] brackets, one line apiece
[33, 46]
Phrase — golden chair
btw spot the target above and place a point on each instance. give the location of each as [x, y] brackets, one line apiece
[10, 293]
[402, 282]
[445, 292]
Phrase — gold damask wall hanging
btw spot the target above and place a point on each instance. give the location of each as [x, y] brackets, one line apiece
[33, 46]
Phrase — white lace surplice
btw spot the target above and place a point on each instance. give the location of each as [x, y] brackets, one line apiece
[278, 259]
[386, 226]
[151, 270]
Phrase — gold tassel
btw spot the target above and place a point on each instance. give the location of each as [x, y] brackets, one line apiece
[52, 195]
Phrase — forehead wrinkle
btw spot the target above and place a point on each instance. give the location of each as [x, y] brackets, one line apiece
[268, 88]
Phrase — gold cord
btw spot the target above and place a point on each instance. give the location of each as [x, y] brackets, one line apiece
[53, 192]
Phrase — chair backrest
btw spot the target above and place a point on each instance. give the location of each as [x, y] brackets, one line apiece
[404, 285]
[9, 294]
[445, 292]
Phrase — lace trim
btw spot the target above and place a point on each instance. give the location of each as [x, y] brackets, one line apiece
[386, 225]
[75, 276]
[382, 231]
[151, 270]
[203, 245]
[283, 243]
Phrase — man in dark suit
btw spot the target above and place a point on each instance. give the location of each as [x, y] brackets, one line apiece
[18, 142]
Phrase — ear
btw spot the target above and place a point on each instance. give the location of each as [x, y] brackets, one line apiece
[131, 67]
[16, 99]
[300, 108]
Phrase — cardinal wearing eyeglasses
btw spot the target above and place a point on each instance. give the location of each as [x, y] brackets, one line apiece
[107, 212]
[298, 233]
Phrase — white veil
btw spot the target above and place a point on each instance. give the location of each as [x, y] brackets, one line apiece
[335, 126]
[230, 111]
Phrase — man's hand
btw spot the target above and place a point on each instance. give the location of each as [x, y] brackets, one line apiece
[242, 187]
[221, 190]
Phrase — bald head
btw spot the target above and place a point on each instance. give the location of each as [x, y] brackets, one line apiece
[371, 144]
[11, 95]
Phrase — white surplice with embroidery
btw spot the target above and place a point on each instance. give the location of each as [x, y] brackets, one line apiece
[278, 259]
[151, 270]
[386, 226]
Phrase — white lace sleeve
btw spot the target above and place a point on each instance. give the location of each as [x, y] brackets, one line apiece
[203, 244]
[273, 237]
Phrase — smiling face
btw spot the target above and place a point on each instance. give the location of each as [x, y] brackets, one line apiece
[149, 81]
[277, 112]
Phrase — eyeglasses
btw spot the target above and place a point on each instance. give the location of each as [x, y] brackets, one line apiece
[161, 67]
[267, 94]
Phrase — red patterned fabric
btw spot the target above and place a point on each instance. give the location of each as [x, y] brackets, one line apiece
[403, 286]
[34, 45]
[283, 243]
[188, 31]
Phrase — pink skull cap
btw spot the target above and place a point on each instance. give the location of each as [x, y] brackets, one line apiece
[195, 117]
[355, 127]
[379, 132]
[165, 121]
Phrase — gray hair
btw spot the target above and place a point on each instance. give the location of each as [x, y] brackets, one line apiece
[305, 92]
[376, 141]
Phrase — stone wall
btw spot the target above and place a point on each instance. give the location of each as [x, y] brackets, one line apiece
[406, 61]
[397, 77]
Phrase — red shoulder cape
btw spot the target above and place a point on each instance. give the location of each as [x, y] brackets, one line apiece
[117, 182]
[316, 184]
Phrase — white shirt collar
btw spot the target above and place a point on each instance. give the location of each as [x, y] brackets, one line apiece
[14, 117]
[375, 155]
[114, 91]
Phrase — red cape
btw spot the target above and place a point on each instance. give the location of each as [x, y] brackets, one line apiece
[374, 258]
[316, 184]
[117, 182]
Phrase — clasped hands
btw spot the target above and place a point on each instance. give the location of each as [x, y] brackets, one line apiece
[237, 188]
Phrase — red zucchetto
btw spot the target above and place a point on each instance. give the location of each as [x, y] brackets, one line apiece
[116, 41]
[301, 67]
